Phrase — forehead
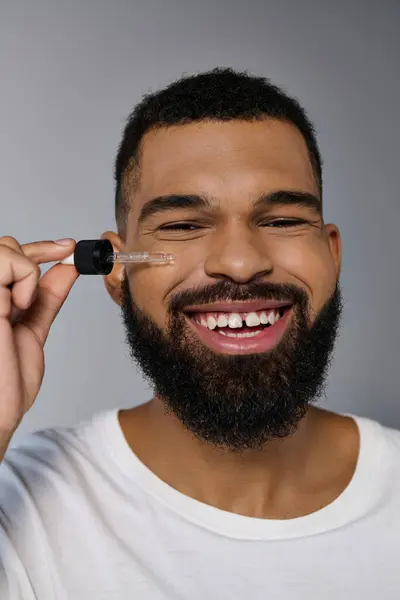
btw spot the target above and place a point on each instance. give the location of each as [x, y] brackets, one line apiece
[224, 159]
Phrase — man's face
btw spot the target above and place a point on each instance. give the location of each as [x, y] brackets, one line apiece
[237, 333]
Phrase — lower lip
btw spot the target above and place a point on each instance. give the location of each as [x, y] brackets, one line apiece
[265, 341]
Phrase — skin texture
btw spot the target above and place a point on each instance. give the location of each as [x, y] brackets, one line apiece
[233, 164]
[29, 304]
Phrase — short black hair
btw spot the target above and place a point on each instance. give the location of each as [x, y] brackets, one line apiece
[221, 94]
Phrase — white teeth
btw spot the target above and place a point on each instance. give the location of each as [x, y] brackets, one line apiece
[241, 335]
[235, 321]
[252, 320]
[211, 323]
[222, 321]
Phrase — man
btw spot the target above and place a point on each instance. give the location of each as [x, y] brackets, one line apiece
[230, 482]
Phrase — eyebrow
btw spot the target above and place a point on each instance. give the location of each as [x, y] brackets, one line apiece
[173, 202]
[290, 198]
[166, 203]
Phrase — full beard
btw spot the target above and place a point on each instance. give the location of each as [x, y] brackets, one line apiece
[235, 402]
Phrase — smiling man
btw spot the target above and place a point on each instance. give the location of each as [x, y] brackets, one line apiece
[230, 482]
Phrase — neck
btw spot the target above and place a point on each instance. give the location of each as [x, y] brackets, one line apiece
[289, 477]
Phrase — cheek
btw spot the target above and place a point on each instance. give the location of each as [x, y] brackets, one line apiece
[310, 261]
[150, 285]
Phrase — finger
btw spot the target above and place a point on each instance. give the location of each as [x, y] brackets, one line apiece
[43, 251]
[52, 292]
[20, 273]
[48, 251]
[10, 242]
[10, 380]
[5, 302]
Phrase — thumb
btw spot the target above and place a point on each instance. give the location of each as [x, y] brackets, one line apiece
[53, 289]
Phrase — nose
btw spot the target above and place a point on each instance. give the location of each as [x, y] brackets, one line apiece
[239, 256]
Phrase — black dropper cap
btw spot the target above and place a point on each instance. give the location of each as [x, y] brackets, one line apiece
[92, 257]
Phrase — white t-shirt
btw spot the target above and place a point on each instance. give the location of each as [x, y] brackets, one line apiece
[82, 518]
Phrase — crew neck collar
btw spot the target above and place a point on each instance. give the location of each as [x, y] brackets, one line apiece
[356, 499]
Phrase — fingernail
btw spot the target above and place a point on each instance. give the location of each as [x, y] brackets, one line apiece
[64, 242]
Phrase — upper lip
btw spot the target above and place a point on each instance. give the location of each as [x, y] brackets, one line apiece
[239, 307]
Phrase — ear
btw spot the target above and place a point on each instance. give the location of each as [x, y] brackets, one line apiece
[335, 245]
[114, 279]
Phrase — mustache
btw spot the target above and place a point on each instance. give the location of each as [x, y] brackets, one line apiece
[224, 291]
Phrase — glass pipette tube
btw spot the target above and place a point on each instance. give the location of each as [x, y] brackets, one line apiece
[140, 257]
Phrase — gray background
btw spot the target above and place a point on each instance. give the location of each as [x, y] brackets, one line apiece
[70, 74]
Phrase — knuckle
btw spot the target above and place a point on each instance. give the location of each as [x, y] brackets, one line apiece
[6, 256]
[10, 242]
[12, 257]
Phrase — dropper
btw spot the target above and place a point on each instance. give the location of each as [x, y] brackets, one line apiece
[97, 257]
[140, 257]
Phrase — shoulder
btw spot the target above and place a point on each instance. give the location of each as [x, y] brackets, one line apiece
[391, 435]
[380, 451]
[47, 460]
[378, 430]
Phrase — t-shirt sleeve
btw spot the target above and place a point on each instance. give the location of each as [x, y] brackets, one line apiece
[14, 579]
[25, 572]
